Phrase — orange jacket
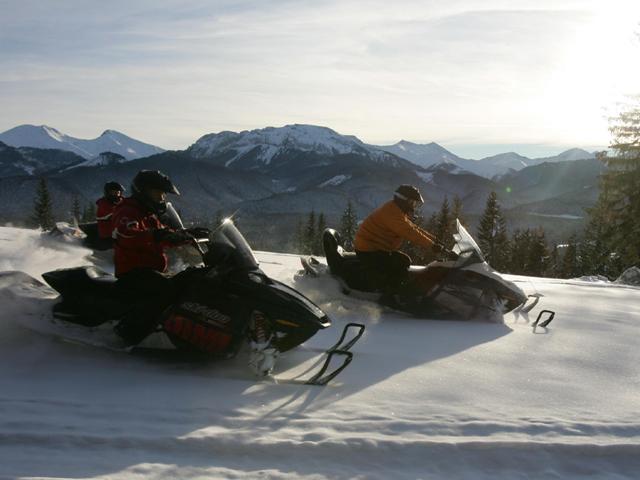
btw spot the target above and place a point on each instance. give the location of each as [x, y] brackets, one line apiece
[386, 228]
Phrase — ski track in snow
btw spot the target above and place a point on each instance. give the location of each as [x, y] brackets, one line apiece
[422, 399]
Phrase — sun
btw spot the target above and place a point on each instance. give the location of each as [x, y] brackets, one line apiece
[599, 69]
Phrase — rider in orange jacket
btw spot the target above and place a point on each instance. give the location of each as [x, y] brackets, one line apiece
[380, 235]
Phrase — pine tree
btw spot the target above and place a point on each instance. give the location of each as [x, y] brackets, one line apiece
[348, 226]
[309, 236]
[89, 213]
[456, 213]
[538, 258]
[492, 234]
[619, 200]
[443, 231]
[75, 209]
[519, 252]
[42, 212]
[317, 243]
[570, 261]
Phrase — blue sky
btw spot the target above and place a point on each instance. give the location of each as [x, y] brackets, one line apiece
[478, 77]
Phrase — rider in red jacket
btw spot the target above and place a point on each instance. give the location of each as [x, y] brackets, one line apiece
[140, 239]
[112, 197]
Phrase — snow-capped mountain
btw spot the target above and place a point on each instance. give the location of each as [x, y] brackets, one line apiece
[423, 155]
[426, 155]
[104, 159]
[47, 137]
[270, 148]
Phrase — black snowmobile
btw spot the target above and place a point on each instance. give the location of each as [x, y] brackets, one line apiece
[226, 301]
[463, 289]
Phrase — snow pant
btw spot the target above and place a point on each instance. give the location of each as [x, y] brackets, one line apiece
[151, 293]
[387, 269]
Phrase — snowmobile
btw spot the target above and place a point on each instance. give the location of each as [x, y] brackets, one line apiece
[227, 300]
[463, 289]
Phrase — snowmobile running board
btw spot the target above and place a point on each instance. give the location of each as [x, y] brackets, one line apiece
[339, 349]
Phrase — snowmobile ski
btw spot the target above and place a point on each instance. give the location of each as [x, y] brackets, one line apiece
[338, 349]
[546, 322]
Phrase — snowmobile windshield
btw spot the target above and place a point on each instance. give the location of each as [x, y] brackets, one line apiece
[171, 218]
[228, 234]
[465, 244]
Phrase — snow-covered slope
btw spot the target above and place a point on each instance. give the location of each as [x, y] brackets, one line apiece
[421, 399]
[424, 155]
[47, 137]
[265, 144]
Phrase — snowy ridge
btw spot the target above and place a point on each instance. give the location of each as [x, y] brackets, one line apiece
[270, 142]
[44, 136]
[335, 181]
[421, 399]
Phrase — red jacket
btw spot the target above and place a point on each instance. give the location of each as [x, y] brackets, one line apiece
[104, 214]
[386, 228]
[135, 246]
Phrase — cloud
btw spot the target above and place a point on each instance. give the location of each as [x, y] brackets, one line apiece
[170, 71]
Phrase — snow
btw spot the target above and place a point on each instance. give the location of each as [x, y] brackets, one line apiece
[566, 216]
[421, 399]
[272, 141]
[335, 181]
[48, 137]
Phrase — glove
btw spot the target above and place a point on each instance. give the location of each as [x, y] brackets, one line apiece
[199, 232]
[451, 255]
[438, 248]
[173, 237]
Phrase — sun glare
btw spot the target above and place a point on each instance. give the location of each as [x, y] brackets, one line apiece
[599, 69]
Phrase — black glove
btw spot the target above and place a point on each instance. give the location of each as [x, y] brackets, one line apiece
[174, 237]
[451, 255]
[199, 232]
[438, 248]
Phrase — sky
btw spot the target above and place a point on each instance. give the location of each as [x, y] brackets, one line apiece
[479, 77]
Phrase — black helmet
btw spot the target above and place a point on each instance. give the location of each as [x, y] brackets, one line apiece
[410, 193]
[153, 179]
[111, 186]
[147, 180]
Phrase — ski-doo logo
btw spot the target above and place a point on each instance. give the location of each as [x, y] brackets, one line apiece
[214, 317]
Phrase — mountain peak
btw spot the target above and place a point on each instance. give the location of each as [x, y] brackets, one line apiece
[46, 137]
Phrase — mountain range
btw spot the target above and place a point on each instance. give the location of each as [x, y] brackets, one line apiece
[45, 137]
[276, 176]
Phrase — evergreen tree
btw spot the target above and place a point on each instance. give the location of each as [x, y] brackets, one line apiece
[456, 213]
[309, 236]
[431, 225]
[89, 213]
[554, 268]
[519, 252]
[443, 231]
[348, 226]
[538, 258]
[619, 201]
[317, 243]
[492, 234]
[75, 210]
[300, 236]
[570, 267]
[42, 211]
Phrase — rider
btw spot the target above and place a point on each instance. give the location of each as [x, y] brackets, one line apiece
[112, 196]
[380, 235]
[140, 240]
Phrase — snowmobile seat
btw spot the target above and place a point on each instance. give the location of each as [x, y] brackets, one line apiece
[71, 281]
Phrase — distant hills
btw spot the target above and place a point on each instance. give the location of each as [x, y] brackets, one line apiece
[275, 176]
[45, 137]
